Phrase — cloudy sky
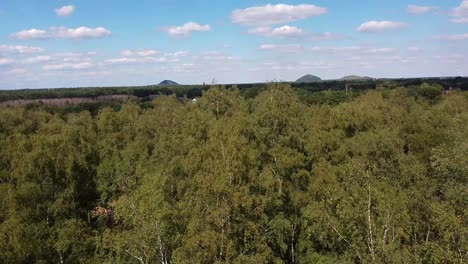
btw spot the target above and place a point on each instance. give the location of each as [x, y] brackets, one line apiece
[57, 43]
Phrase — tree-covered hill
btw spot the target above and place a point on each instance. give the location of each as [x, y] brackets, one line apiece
[168, 82]
[308, 78]
[280, 176]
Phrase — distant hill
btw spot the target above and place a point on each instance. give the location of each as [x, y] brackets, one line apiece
[308, 79]
[168, 82]
[355, 77]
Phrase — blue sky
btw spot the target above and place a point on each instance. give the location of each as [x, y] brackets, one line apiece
[46, 43]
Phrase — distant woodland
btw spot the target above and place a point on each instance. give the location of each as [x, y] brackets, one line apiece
[279, 173]
[145, 93]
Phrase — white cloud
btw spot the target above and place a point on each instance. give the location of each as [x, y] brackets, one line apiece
[414, 49]
[454, 37]
[275, 14]
[382, 50]
[139, 52]
[129, 60]
[292, 32]
[285, 48]
[76, 59]
[31, 34]
[260, 30]
[460, 13]
[216, 56]
[462, 20]
[302, 66]
[181, 53]
[37, 59]
[65, 10]
[419, 10]
[68, 66]
[287, 31]
[325, 36]
[123, 60]
[337, 49]
[461, 10]
[183, 68]
[163, 60]
[186, 29]
[68, 54]
[15, 71]
[280, 32]
[213, 53]
[380, 26]
[63, 33]
[5, 61]
[254, 69]
[354, 50]
[79, 33]
[20, 49]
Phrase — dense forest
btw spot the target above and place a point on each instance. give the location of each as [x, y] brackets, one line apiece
[247, 90]
[278, 176]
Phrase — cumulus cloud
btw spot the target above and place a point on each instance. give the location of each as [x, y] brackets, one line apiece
[5, 61]
[186, 29]
[68, 66]
[380, 26]
[461, 10]
[285, 48]
[62, 33]
[20, 49]
[31, 34]
[139, 52]
[461, 13]
[79, 33]
[275, 14]
[65, 10]
[37, 59]
[419, 10]
[280, 32]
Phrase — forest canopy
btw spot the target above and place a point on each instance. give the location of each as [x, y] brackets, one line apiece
[281, 176]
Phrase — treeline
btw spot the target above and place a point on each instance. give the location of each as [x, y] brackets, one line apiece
[248, 90]
[91, 92]
[378, 178]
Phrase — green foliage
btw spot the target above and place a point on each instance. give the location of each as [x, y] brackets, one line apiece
[430, 92]
[284, 176]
